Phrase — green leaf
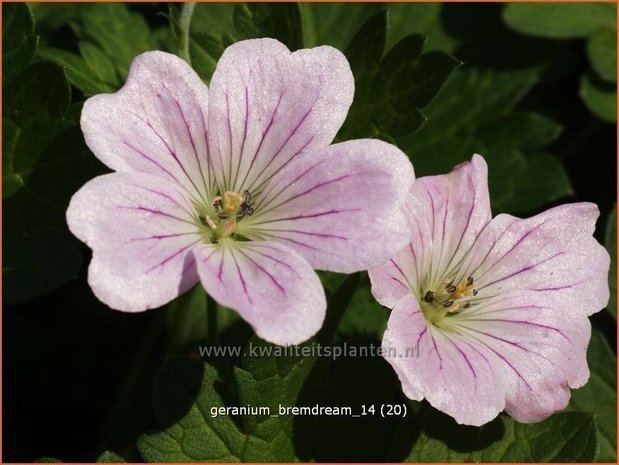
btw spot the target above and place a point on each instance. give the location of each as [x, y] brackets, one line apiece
[535, 176]
[187, 391]
[564, 437]
[40, 87]
[364, 316]
[391, 92]
[334, 24]
[336, 308]
[610, 241]
[271, 381]
[40, 253]
[421, 18]
[215, 19]
[118, 32]
[599, 396]
[560, 20]
[19, 42]
[36, 100]
[596, 21]
[110, 457]
[475, 114]
[188, 324]
[216, 26]
[281, 21]
[600, 97]
[204, 51]
[184, 395]
[52, 16]
[365, 51]
[602, 51]
[63, 168]
[79, 72]
[187, 398]
[110, 37]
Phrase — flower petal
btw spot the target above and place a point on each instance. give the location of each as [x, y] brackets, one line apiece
[342, 207]
[553, 254]
[269, 285]
[155, 124]
[268, 104]
[451, 372]
[447, 213]
[539, 351]
[141, 232]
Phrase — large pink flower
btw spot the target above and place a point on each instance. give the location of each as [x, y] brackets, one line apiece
[236, 186]
[491, 314]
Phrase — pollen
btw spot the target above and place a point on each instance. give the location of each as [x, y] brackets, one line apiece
[230, 203]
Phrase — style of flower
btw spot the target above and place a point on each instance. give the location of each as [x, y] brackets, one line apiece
[496, 309]
[236, 186]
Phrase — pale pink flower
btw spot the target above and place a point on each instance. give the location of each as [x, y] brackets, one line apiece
[491, 314]
[236, 186]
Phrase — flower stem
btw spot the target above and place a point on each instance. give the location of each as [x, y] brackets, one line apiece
[184, 23]
[211, 319]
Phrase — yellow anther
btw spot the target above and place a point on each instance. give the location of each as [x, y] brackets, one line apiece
[231, 202]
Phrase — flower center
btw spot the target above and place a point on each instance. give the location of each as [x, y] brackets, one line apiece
[220, 219]
[447, 300]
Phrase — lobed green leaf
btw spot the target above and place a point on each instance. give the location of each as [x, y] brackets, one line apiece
[564, 437]
[475, 114]
[391, 90]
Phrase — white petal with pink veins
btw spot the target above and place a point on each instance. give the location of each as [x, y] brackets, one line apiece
[455, 374]
[553, 253]
[269, 285]
[499, 307]
[156, 123]
[141, 231]
[447, 213]
[342, 207]
[268, 104]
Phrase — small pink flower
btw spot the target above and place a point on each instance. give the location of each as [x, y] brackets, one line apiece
[491, 314]
[236, 186]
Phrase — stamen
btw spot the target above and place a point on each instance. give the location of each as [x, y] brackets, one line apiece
[246, 208]
[211, 224]
[229, 227]
[453, 297]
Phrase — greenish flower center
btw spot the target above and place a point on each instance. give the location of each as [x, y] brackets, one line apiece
[446, 299]
[220, 219]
